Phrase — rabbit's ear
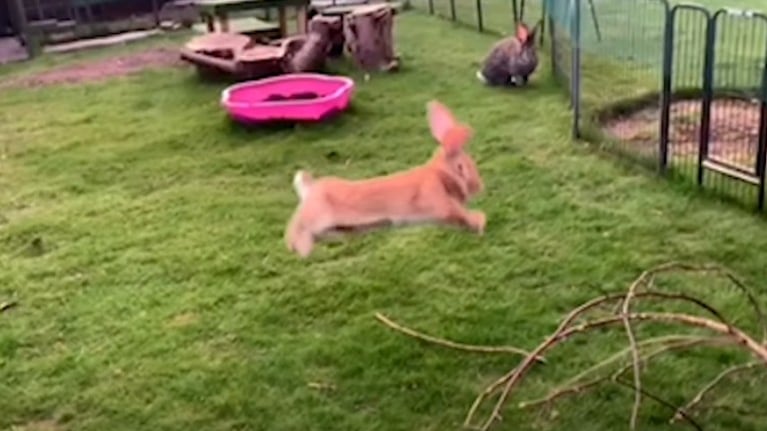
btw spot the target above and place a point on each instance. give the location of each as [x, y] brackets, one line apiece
[531, 34]
[445, 129]
[523, 33]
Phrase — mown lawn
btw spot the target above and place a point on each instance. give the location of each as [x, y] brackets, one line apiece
[141, 235]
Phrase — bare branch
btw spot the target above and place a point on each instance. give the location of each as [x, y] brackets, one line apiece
[724, 272]
[562, 333]
[634, 352]
[450, 344]
[688, 320]
[583, 319]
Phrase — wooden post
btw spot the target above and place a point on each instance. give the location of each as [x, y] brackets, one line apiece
[208, 18]
[223, 21]
[40, 13]
[283, 21]
[30, 36]
[156, 12]
[301, 19]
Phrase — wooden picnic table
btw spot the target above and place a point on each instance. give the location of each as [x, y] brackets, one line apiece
[212, 10]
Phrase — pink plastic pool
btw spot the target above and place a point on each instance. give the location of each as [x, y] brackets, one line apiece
[292, 97]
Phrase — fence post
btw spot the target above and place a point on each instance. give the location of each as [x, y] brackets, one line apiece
[514, 12]
[452, 10]
[431, 7]
[553, 39]
[543, 21]
[480, 25]
[761, 153]
[708, 94]
[576, 68]
[156, 13]
[668, 65]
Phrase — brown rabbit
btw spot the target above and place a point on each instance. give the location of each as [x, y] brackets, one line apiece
[435, 192]
[512, 60]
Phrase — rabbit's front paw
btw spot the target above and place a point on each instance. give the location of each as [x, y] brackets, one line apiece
[478, 221]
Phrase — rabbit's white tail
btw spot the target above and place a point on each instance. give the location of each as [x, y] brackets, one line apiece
[481, 77]
[302, 181]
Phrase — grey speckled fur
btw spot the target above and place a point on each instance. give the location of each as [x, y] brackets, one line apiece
[510, 61]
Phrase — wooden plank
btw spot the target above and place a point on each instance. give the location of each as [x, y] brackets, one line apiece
[346, 9]
[244, 25]
[301, 19]
[214, 6]
[730, 171]
[283, 21]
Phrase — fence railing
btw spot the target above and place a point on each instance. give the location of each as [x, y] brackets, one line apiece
[677, 87]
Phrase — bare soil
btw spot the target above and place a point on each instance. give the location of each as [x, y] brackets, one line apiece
[100, 70]
[734, 132]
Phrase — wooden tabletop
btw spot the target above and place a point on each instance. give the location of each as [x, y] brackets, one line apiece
[218, 6]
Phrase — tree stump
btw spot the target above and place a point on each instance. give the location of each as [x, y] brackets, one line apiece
[333, 28]
[369, 38]
[311, 55]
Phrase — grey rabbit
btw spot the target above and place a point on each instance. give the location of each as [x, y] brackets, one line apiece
[512, 60]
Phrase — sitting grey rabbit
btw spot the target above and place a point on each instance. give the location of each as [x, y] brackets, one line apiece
[511, 60]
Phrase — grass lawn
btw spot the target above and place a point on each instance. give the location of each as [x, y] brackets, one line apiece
[141, 234]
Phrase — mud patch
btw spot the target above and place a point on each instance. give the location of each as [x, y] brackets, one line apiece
[734, 132]
[95, 71]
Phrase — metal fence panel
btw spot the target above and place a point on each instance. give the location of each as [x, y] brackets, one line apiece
[682, 111]
[730, 141]
[621, 67]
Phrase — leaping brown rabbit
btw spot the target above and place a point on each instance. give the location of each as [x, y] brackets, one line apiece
[435, 192]
[512, 60]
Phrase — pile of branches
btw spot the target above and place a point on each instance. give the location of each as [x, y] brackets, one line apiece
[622, 313]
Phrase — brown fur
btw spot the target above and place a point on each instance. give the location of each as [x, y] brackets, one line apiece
[435, 192]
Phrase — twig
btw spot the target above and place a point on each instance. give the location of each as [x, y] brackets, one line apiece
[699, 396]
[661, 401]
[634, 350]
[321, 386]
[5, 306]
[451, 344]
[572, 386]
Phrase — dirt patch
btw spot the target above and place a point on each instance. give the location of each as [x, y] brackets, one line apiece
[101, 70]
[734, 132]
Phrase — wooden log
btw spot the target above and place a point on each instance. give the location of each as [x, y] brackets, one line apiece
[333, 28]
[368, 37]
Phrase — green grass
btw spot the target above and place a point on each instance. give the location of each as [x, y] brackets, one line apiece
[141, 234]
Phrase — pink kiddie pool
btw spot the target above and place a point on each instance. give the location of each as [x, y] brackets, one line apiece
[293, 97]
